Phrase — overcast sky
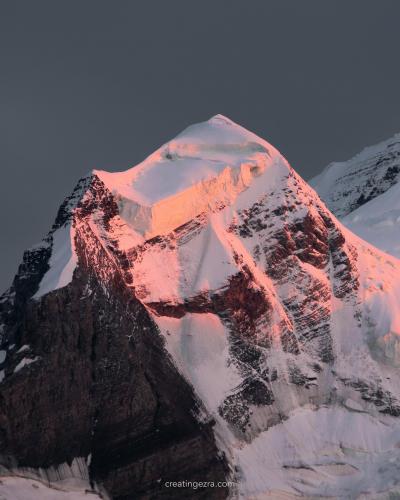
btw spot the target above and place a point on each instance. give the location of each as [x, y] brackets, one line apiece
[93, 84]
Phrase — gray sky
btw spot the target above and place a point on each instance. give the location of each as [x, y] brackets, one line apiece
[94, 84]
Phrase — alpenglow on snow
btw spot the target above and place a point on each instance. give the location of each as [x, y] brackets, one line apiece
[203, 316]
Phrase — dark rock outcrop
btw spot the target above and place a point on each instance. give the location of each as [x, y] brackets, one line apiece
[100, 383]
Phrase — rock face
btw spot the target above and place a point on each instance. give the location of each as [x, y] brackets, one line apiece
[240, 345]
[99, 382]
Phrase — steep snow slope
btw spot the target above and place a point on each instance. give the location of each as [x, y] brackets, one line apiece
[364, 193]
[378, 221]
[285, 323]
[321, 453]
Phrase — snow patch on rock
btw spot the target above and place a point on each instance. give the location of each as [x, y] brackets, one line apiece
[62, 262]
[25, 362]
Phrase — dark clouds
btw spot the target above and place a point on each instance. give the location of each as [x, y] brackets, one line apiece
[88, 84]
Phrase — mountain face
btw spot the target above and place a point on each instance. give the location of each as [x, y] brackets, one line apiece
[203, 317]
[364, 192]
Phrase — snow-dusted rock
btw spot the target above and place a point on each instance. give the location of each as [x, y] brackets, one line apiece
[365, 193]
[223, 321]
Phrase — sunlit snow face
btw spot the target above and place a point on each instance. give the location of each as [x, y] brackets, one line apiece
[205, 166]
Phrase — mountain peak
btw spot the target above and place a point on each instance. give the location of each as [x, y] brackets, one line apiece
[216, 135]
[221, 118]
[208, 164]
[251, 337]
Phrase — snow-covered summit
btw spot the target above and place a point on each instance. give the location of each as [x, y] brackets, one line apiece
[206, 165]
[263, 336]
